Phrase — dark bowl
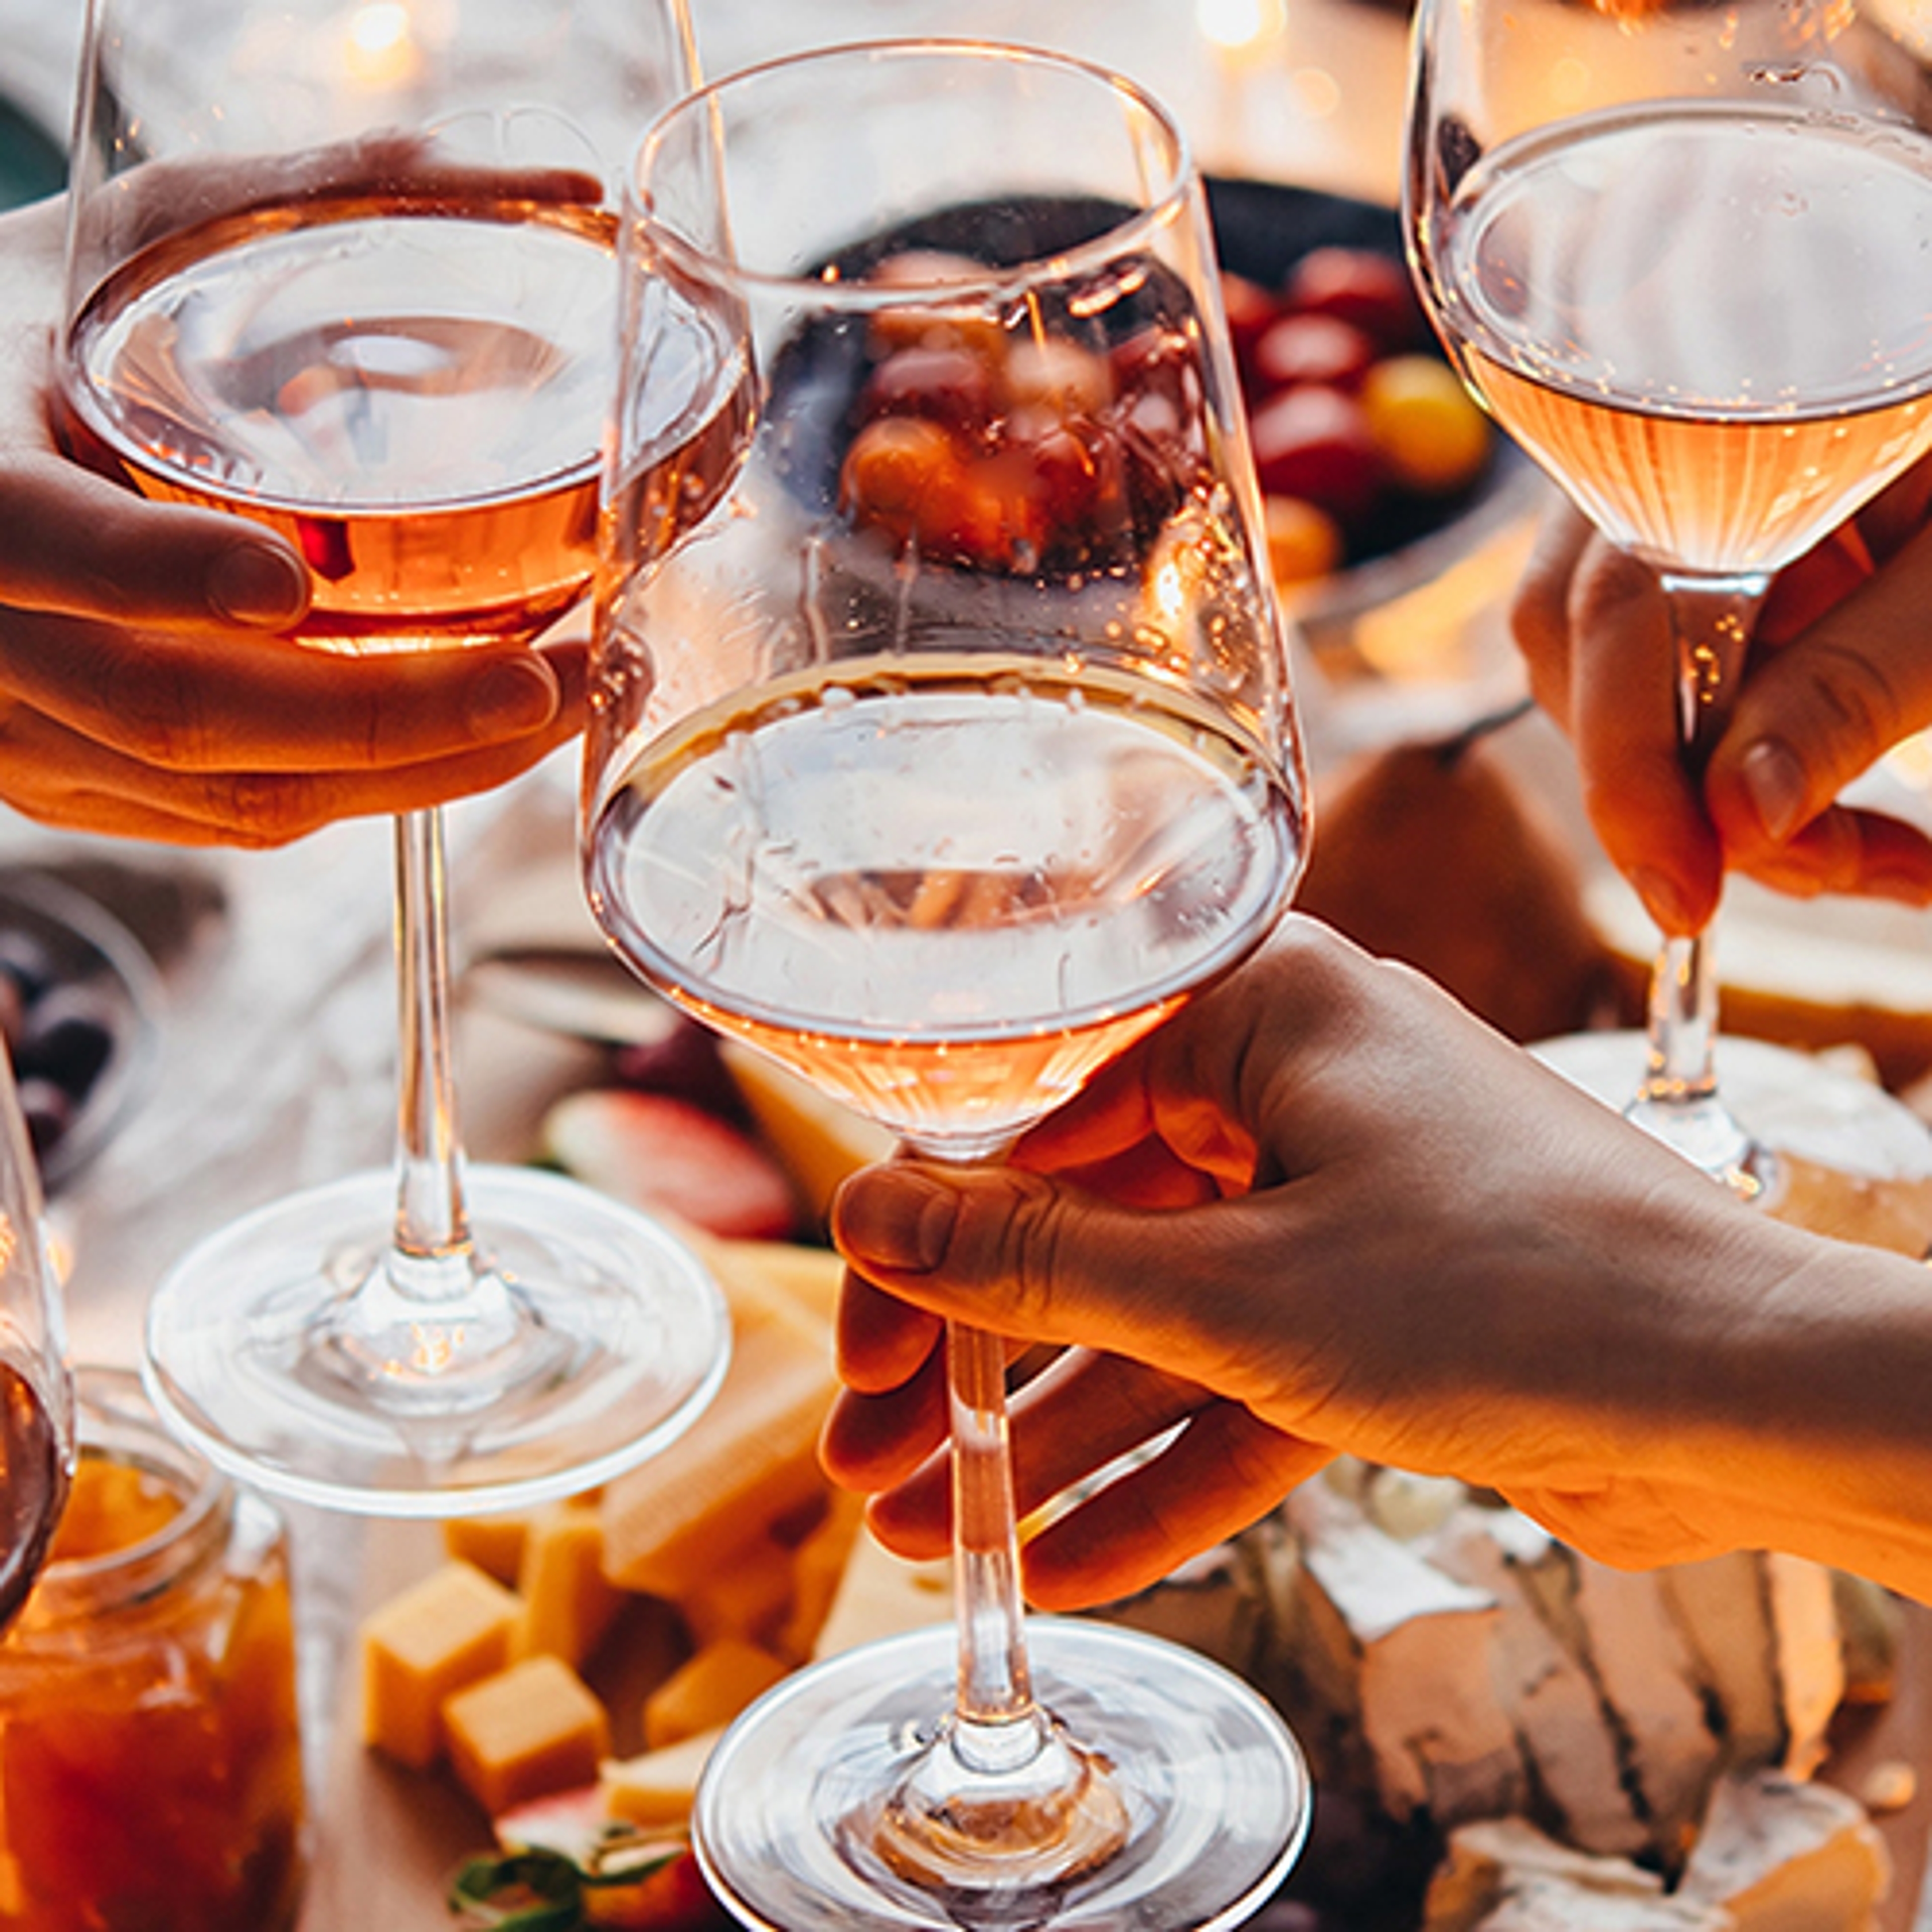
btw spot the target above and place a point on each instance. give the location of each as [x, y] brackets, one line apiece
[1262, 229]
[81, 997]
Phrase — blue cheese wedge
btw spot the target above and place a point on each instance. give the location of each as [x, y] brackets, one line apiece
[1567, 1735]
[1782, 1856]
[1503, 1875]
[1765, 1634]
[1405, 1651]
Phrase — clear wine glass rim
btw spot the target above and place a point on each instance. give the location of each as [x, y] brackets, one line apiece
[1159, 208]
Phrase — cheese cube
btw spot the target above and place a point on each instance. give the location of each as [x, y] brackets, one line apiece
[817, 1566]
[818, 1141]
[749, 1597]
[447, 1631]
[881, 1595]
[750, 1458]
[494, 1544]
[529, 1730]
[708, 1690]
[654, 1790]
[568, 1603]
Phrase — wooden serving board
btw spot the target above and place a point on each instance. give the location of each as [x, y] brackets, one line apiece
[388, 1839]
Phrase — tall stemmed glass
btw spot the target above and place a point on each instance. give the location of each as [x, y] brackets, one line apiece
[348, 267]
[1667, 244]
[37, 1436]
[941, 745]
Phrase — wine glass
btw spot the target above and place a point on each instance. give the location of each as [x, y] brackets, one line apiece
[1666, 244]
[941, 744]
[38, 1436]
[347, 267]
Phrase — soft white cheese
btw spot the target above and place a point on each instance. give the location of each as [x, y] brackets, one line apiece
[1503, 1875]
[1406, 1649]
[1564, 1730]
[1783, 1856]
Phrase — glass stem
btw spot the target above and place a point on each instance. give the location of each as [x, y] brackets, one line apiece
[1711, 618]
[429, 1261]
[995, 1689]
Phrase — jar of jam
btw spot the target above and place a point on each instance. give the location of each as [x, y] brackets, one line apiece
[151, 1774]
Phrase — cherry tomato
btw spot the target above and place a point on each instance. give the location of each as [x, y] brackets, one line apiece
[1359, 286]
[1432, 436]
[1313, 443]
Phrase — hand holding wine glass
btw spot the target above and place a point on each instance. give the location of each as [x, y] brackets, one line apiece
[349, 271]
[941, 745]
[1663, 244]
[1837, 677]
[150, 692]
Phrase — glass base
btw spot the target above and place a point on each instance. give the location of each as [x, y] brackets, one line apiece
[292, 1349]
[1841, 1156]
[1193, 1804]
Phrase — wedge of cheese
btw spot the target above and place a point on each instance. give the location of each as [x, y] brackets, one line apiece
[1780, 1855]
[1503, 1875]
[450, 1630]
[1763, 1631]
[654, 1789]
[708, 1689]
[818, 1141]
[1398, 1654]
[1617, 1625]
[881, 1595]
[1569, 1738]
[747, 1462]
[530, 1730]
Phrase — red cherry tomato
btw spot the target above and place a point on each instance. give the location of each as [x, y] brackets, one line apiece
[1314, 443]
[1312, 348]
[1358, 285]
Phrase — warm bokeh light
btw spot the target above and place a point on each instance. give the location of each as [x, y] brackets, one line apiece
[1241, 26]
[378, 46]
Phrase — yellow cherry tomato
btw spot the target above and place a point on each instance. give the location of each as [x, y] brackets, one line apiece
[1433, 437]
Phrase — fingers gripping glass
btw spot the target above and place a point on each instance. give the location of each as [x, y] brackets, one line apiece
[350, 272]
[1661, 243]
[942, 745]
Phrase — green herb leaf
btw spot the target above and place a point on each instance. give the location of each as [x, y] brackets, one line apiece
[529, 1891]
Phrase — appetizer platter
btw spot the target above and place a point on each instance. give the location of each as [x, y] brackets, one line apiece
[1505, 1733]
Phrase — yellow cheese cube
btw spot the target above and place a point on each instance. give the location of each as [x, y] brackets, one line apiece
[529, 1730]
[817, 1566]
[494, 1543]
[750, 1458]
[447, 1631]
[748, 1594]
[568, 1603]
[708, 1690]
[655, 1789]
[807, 1279]
[818, 1141]
[880, 1595]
